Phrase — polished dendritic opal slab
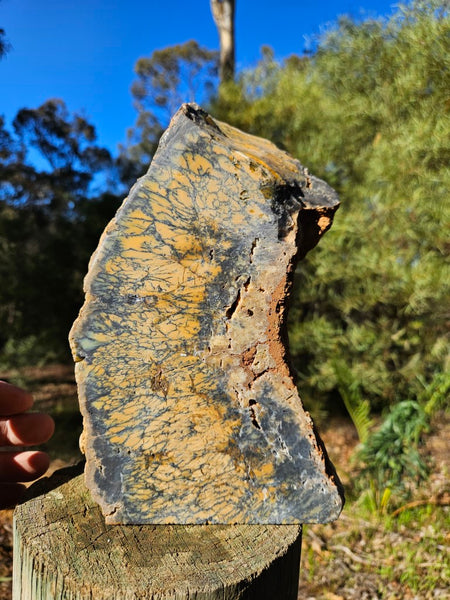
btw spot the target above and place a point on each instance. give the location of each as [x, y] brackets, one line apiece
[190, 411]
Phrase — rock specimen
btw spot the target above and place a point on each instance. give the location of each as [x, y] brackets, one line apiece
[190, 411]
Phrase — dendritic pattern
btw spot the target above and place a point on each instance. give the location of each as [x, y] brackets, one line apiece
[190, 411]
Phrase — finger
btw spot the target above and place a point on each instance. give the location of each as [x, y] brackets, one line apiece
[10, 494]
[22, 466]
[13, 400]
[26, 430]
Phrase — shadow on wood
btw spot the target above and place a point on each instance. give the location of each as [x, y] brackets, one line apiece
[64, 549]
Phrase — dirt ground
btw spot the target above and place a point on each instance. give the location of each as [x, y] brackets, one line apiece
[356, 558]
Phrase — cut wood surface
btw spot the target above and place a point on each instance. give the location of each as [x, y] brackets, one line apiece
[64, 550]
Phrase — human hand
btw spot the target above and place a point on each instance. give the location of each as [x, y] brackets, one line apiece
[18, 428]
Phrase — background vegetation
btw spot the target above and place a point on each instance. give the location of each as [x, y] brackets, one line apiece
[368, 111]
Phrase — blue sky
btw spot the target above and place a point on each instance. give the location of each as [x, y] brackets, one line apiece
[83, 51]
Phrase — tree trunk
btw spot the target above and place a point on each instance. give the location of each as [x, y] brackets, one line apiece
[63, 550]
[223, 14]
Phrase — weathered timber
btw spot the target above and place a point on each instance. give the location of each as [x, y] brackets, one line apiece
[64, 551]
[191, 414]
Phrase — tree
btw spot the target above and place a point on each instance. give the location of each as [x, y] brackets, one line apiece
[223, 12]
[368, 113]
[4, 44]
[52, 209]
[67, 155]
[182, 73]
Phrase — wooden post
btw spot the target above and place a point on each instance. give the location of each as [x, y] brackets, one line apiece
[63, 550]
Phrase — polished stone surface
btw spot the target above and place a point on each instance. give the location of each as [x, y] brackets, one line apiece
[190, 412]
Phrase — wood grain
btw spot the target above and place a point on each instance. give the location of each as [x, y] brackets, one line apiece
[64, 550]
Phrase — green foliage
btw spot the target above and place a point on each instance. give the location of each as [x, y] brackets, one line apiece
[30, 350]
[436, 393]
[357, 407]
[174, 75]
[51, 214]
[369, 114]
[392, 464]
[390, 455]
[181, 73]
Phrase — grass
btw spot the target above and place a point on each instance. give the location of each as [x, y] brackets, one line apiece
[393, 554]
[418, 541]
[367, 556]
